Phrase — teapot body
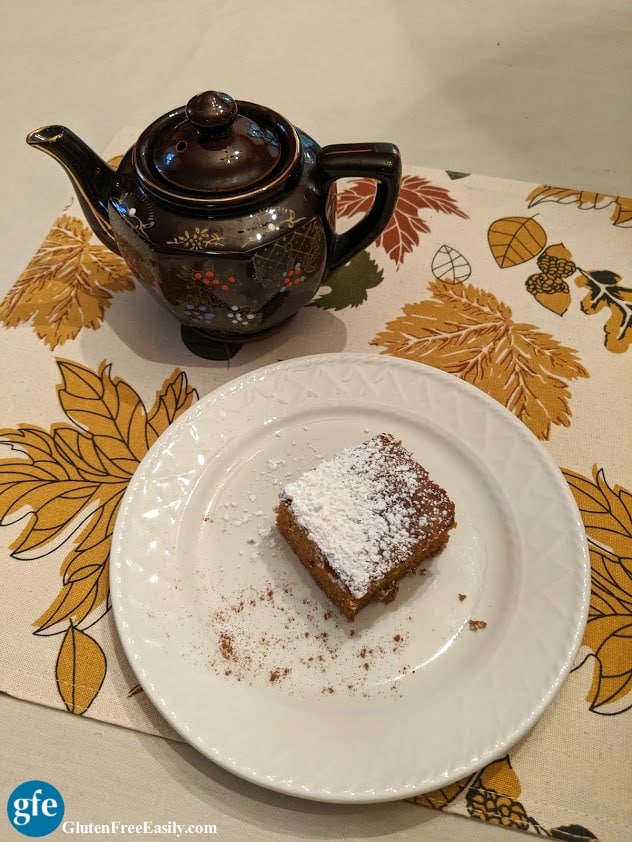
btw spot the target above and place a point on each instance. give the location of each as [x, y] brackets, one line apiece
[233, 275]
[225, 211]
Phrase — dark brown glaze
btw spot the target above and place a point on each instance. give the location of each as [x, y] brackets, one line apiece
[226, 211]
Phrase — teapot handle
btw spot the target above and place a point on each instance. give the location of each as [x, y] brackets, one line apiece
[380, 161]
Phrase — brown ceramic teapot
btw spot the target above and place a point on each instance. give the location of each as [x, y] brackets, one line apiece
[226, 211]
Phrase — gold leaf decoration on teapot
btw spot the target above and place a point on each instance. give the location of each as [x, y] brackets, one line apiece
[199, 239]
[272, 222]
[291, 258]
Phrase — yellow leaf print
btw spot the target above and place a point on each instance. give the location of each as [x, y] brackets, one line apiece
[110, 412]
[607, 516]
[500, 776]
[80, 670]
[585, 200]
[65, 487]
[623, 216]
[515, 239]
[468, 332]
[67, 285]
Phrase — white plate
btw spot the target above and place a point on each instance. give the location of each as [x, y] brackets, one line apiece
[241, 652]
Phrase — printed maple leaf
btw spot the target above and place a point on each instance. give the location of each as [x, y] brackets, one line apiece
[607, 516]
[604, 291]
[66, 486]
[350, 283]
[466, 331]
[621, 215]
[401, 235]
[67, 285]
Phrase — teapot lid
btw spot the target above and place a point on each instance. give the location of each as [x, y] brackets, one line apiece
[216, 152]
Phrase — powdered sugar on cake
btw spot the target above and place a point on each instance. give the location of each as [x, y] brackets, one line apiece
[363, 509]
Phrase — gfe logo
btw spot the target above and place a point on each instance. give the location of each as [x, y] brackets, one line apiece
[35, 808]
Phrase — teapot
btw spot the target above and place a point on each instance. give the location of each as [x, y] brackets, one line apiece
[225, 211]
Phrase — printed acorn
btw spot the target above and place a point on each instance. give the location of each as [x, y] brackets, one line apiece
[548, 286]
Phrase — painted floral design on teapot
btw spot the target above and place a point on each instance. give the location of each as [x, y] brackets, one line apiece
[225, 211]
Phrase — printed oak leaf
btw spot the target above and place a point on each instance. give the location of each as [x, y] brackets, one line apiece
[80, 670]
[468, 332]
[67, 285]
[604, 291]
[607, 516]
[515, 239]
[622, 208]
[350, 283]
[401, 235]
[65, 486]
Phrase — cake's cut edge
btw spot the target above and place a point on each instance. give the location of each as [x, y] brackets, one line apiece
[308, 553]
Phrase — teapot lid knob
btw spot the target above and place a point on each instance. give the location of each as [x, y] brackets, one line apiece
[212, 113]
[217, 152]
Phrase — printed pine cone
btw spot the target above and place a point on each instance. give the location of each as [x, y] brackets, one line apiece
[490, 806]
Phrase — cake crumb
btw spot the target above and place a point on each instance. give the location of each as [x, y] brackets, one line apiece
[462, 596]
[475, 625]
[226, 647]
[277, 674]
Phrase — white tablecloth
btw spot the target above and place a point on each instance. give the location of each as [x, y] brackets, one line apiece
[532, 90]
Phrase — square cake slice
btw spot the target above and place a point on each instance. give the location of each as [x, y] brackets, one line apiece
[362, 520]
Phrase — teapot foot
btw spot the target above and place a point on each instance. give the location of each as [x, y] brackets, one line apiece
[210, 346]
[202, 345]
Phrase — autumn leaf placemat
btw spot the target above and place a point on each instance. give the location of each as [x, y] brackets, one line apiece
[523, 290]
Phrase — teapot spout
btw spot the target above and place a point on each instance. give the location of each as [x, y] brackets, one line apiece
[91, 177]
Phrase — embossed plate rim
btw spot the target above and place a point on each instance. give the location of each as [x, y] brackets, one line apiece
[507, 702]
